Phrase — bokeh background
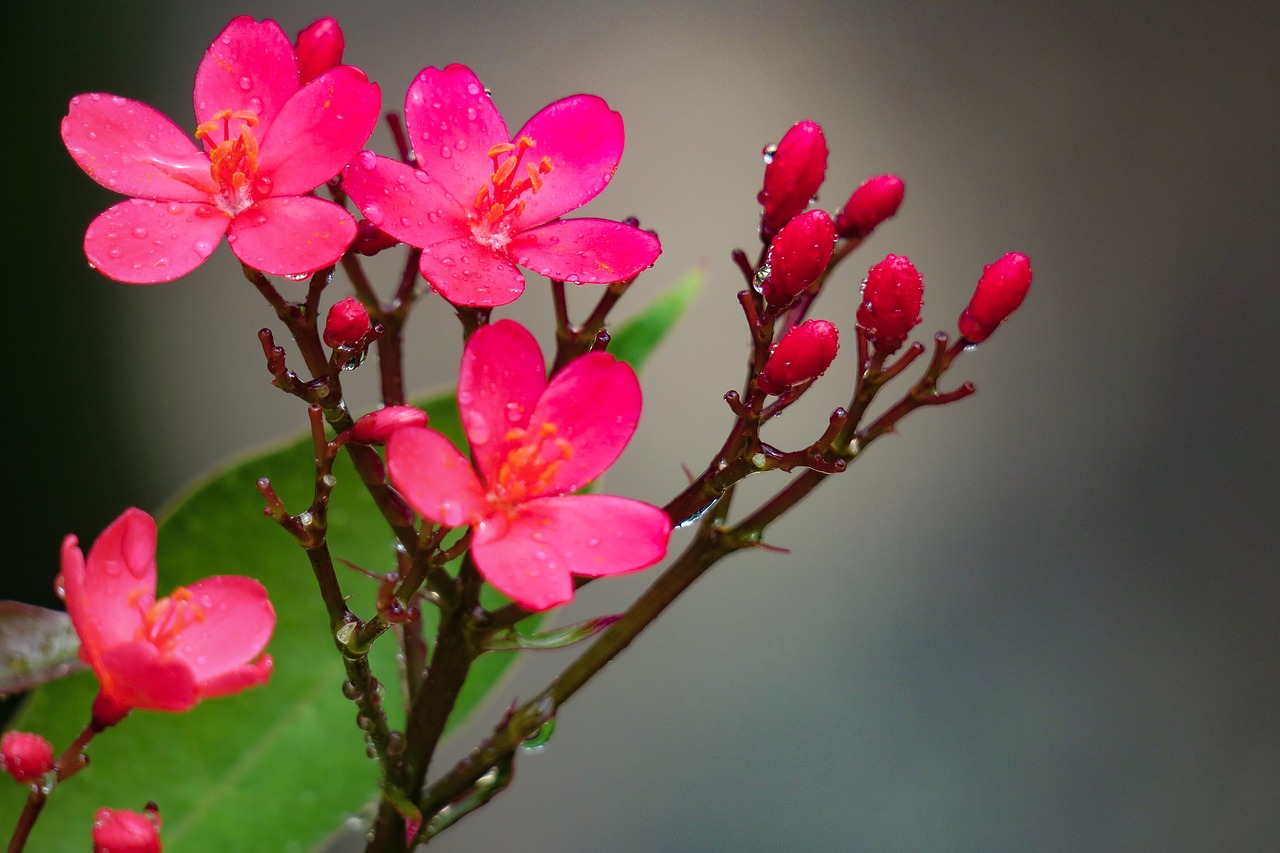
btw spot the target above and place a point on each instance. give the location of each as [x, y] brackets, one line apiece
[1046, 618]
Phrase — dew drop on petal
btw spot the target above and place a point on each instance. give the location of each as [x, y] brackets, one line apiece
[477, 428]
[140, 233]
[245, 84]
[367, 160]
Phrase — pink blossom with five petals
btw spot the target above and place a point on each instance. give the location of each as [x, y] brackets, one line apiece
[534, 443]
[482, 201]
[267, 143]
[203, 640]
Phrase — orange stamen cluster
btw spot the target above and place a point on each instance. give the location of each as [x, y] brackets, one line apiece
[504, 195]
[164, 622]
[532, 465]
[234, 162]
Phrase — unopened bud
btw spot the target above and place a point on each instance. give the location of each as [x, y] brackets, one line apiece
[872, 203]
[1003, 286]
[25, 756]
[377, 427]
[319, 48]
[805, 352]
[370, 239]
[347, 323]
[798, 256]
[793, 171]
[892, 296]
[123, 831]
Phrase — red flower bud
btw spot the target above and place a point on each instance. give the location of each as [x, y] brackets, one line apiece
[123, 831]
[1001, 289]
[797, 256]
[805, 352]
[25, 756]
[793, 171]
[370, 239]
[319, 48]
[347, 323]
[891, 299]
[377, 427]
[872, 203]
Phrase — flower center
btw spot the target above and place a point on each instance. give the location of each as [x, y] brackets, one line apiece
[164, 622]
[531, 466]
[507, 192]
[234, 162]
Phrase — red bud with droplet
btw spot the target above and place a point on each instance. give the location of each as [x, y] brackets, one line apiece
[347, 323]
[870, 204]
[370, 239]
[798, 256]
[892, 297]
[1001, 289]
[25, 756]
[805, 352]
[793, 171]
[319, 48]
[123, 831]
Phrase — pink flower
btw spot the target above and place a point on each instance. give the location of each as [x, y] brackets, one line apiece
[25, 756]
[485, 201]
[267, 145]
[162, 655]
[123, 831]
[534, 443]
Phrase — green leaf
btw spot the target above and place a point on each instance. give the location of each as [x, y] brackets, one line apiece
[636, 338]
[36, 646]
[277, 767]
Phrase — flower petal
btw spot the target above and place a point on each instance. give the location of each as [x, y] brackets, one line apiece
[249, 66]
[239, 678]
[404, 202]
[583, 139]
[134, 149]
[468, 273]
[236, 623]
[293, 235]
[586, 251]
[593, 405]
[319, 130]
[139, 241]
[501, 378]
[106, 594]
[135, 675]
[452, 124]
[513, 556]
[600, 535]
[436, 480]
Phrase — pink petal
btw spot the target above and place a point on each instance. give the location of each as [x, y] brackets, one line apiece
[513, 555]
[136, 675]
[240, 678]
[436, 480]
[319, 130]
[501, 378]
[583, 138]
[599, 535]
[236, 625]
[403, 201]
[468, 273]
[594, 405]
[452, 124]
[106, 594]
[134, 149]
[586, 251]
[292, 235]
[147, 242]
[249, 66]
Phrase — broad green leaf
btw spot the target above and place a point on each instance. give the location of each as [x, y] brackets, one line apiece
[278, 767]
[37, 645]
[635, 339]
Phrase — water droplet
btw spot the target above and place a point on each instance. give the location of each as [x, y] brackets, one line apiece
[140, 232]
[245, 84]
[515, 412]
[60, 586]
[446, 152]
[367, 160]
[768, 153]
[471, 113]
[255, 104]
[539, 739]
[461, 145]
[477, 428]
[374, 214]
[115, 253]
[473, 89]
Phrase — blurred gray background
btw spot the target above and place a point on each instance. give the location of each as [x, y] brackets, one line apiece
[1045, 618]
